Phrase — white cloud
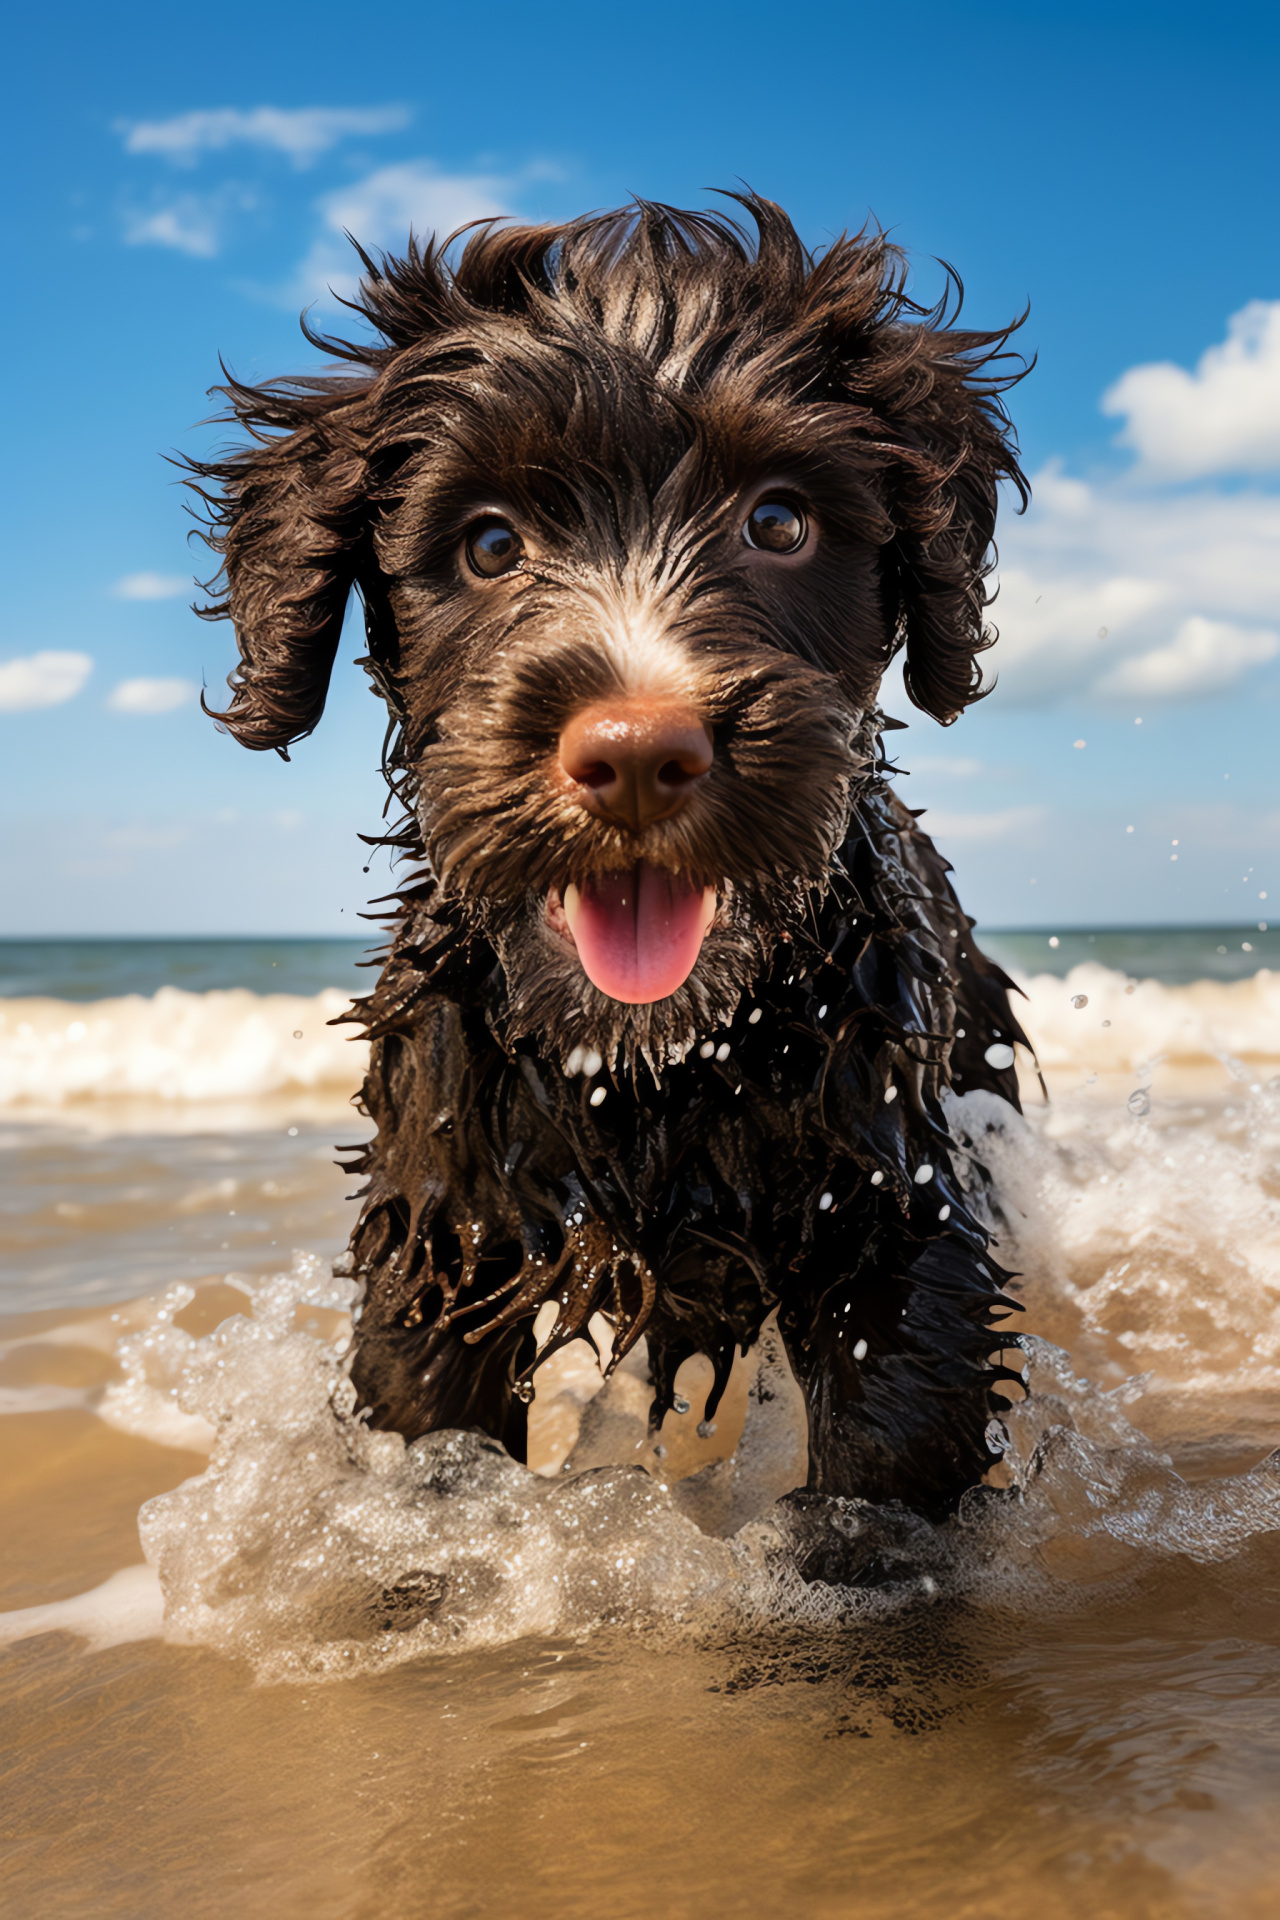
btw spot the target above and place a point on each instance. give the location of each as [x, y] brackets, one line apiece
[151, 696]
[191, 223]
[1203, 656]
[1008, 824]
[1100, 577]
[151, 586]
[42, 680]
[302, 133]
[382, 209]
[1223, 418]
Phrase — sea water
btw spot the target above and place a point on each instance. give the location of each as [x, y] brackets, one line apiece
[257, 1659]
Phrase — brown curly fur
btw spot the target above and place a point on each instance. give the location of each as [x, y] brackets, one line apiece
[617, 386]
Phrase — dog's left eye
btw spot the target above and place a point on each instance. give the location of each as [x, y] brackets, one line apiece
[493, 548]
[775, 526]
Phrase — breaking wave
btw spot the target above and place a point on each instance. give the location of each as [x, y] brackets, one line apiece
[175, 1047]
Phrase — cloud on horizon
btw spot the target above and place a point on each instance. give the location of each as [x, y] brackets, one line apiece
[1117, 589]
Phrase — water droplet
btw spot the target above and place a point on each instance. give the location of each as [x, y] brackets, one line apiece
[859, 1349]
[1139, 1103]
[877, 1178]
[1054, 940]
[1246, 946]
[297, 1033]
[923, 1174]
[1079, 1000]
[1102, 633]
[824, 1203]
[754, 1016]
[1106, 1023]
[1079, 743]
[890, 1095]
[599, 1096]
[293, 1133]
[999, 1056]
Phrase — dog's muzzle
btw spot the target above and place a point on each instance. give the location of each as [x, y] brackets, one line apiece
[633, 762]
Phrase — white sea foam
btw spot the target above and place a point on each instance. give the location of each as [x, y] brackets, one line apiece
[1148, 1237]
[1124, 1023]
[127, 1606]
[175, 1047]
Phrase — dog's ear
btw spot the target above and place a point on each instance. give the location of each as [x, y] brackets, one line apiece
[957, 444]
[287, 513]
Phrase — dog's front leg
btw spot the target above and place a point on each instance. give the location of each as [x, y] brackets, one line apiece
[423, 1379]
[894, 1362]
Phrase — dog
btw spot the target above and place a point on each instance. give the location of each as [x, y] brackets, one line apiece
[640, 508]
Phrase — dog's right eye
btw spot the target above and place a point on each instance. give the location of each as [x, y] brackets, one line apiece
[493, 548]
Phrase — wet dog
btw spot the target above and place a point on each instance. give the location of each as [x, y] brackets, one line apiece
[639, 509]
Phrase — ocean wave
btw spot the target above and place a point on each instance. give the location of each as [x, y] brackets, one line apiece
[1098, 1020]
[176, 1047]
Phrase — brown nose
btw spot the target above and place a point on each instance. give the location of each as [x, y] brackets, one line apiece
[636, 761]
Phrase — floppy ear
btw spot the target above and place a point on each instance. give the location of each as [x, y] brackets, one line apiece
[956, 444]
[288, 517]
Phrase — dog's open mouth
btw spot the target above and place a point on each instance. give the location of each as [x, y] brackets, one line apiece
[638, 933]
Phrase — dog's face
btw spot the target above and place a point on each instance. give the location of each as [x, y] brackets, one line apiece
[639, 515]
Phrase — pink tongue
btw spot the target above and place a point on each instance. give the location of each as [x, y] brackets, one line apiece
[638, 934]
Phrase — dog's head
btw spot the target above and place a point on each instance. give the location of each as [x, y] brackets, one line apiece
[640, 509]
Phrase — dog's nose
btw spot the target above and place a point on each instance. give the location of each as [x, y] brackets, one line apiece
[636, 761]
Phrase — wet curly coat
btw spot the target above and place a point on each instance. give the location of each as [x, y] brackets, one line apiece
[773, 1134]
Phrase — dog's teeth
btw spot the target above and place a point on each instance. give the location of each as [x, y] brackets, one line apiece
[890, 1094]
[924, 1174]
[877, 1178]
[574, 1063]
[571, 900]
[599, 1096]
[754, 1016]
[591, 1062]
[706, 1050]
[722, 1051]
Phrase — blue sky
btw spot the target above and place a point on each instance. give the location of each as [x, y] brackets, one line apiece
[177, 181]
